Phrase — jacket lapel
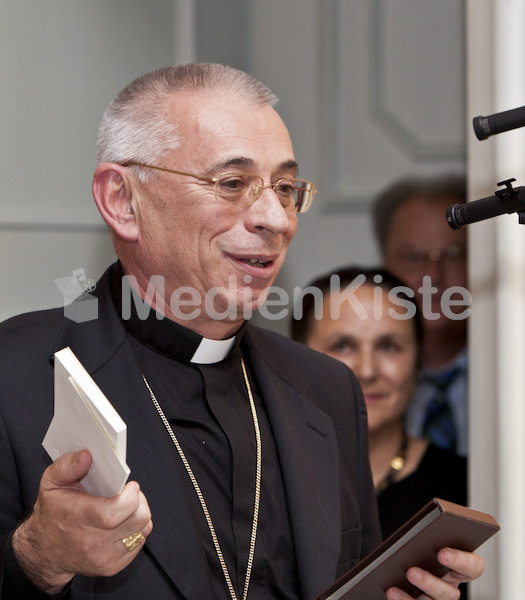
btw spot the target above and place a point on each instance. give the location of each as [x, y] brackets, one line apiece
[308, 454]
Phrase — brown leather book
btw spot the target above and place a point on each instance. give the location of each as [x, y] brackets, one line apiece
[415, 544]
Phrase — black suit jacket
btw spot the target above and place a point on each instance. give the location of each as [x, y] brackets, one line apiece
[316, 412]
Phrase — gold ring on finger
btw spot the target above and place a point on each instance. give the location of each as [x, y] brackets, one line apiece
[133, 540]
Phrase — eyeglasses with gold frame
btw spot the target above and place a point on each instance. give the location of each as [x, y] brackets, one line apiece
[235, 186]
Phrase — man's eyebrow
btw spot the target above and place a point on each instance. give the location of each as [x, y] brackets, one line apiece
[234, 161]
[290, 165]
[242, 161]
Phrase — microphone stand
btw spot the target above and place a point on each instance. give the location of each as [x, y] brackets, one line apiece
[513, 198]
[507, 200]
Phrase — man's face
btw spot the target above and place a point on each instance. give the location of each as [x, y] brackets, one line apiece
[193, 238]
[420, 242]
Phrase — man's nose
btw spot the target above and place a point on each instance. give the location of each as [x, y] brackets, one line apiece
[267, 212]
[435, 266]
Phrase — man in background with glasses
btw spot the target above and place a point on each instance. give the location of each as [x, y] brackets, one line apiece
[416, 243]
[248, 452]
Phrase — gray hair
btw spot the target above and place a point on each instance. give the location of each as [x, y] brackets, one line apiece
[390, 199]
[134, 126]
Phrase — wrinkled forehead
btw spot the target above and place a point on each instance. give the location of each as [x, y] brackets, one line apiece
[218, 108]
[221, 124]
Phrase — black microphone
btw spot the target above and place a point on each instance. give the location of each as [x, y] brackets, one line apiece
[508, 200]
[484, 127]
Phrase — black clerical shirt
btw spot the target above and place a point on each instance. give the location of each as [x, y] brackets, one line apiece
[208, 408]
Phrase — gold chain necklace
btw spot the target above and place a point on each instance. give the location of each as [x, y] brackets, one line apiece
[201, 497]
[395, 467]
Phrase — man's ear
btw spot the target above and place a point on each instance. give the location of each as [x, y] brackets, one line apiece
[113, 191]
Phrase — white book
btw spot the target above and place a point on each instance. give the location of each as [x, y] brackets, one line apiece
[85, 419]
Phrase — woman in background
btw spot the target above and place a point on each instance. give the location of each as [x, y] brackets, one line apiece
[369, 322]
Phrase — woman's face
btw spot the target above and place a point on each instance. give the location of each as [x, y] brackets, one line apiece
[381, 350]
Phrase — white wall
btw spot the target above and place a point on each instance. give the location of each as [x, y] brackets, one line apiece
[496, 82]
[62, 61]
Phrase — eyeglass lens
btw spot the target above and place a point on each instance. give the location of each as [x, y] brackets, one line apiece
[234, 186]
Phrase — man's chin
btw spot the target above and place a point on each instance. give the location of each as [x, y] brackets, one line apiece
[235, 308]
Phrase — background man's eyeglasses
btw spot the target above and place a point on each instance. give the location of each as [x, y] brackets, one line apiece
[237, 186]
[416, 258]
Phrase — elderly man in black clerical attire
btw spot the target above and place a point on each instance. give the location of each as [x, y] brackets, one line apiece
[248, 452]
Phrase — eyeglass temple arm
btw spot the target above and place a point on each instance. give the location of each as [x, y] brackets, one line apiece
[130, 163]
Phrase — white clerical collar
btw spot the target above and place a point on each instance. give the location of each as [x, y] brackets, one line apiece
[212, 351]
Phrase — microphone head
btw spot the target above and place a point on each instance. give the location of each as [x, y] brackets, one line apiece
[481, 127]
[454, 216]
